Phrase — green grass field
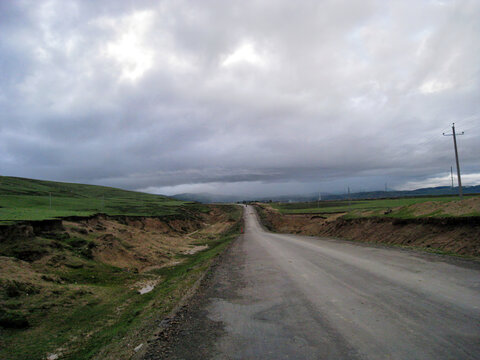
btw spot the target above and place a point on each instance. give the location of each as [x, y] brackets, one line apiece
[354, 208]
[27, 199]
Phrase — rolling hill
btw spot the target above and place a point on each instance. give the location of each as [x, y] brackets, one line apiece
[29, 199]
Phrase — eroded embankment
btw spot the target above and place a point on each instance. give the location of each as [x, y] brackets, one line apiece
[456, 235]
[77, 287]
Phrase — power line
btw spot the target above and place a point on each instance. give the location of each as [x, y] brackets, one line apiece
[469, 123]
[474, 127]
[456, 157]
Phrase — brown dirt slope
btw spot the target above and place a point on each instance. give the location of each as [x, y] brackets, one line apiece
[459, 236]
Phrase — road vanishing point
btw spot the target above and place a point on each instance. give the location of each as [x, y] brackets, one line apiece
[277, 296]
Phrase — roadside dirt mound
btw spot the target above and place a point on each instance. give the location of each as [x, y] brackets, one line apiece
[455, 235]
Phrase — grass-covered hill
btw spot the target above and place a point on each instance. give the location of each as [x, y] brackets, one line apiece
[28, 199]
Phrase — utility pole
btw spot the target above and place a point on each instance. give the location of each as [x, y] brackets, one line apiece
[349, 199]
[451, 175]
[456, 158]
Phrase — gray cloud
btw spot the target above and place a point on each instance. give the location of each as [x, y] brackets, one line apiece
[253, 95]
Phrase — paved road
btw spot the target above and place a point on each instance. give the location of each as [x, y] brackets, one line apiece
[295, 297]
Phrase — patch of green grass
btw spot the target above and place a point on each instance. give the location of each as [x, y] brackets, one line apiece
[71, 318]
[84, 272]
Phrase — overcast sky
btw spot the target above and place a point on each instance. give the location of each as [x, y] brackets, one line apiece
[249, 97]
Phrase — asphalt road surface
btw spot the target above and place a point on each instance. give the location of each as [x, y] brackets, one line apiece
[295, 297]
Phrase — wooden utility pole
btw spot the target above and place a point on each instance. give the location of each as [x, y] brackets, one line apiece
[456, 158]
[451, 175]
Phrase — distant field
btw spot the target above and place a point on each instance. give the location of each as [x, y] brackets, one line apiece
[27, 199]
[401, 207]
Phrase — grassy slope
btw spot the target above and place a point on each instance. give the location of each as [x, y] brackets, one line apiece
[28, 199]
[355, 208]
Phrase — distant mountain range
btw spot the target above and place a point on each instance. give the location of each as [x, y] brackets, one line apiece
[432, 191]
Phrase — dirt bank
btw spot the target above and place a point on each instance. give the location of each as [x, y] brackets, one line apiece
[459, 235]
[131, 242]
[110, 276]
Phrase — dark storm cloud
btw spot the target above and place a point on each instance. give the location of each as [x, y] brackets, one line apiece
[239, 96]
